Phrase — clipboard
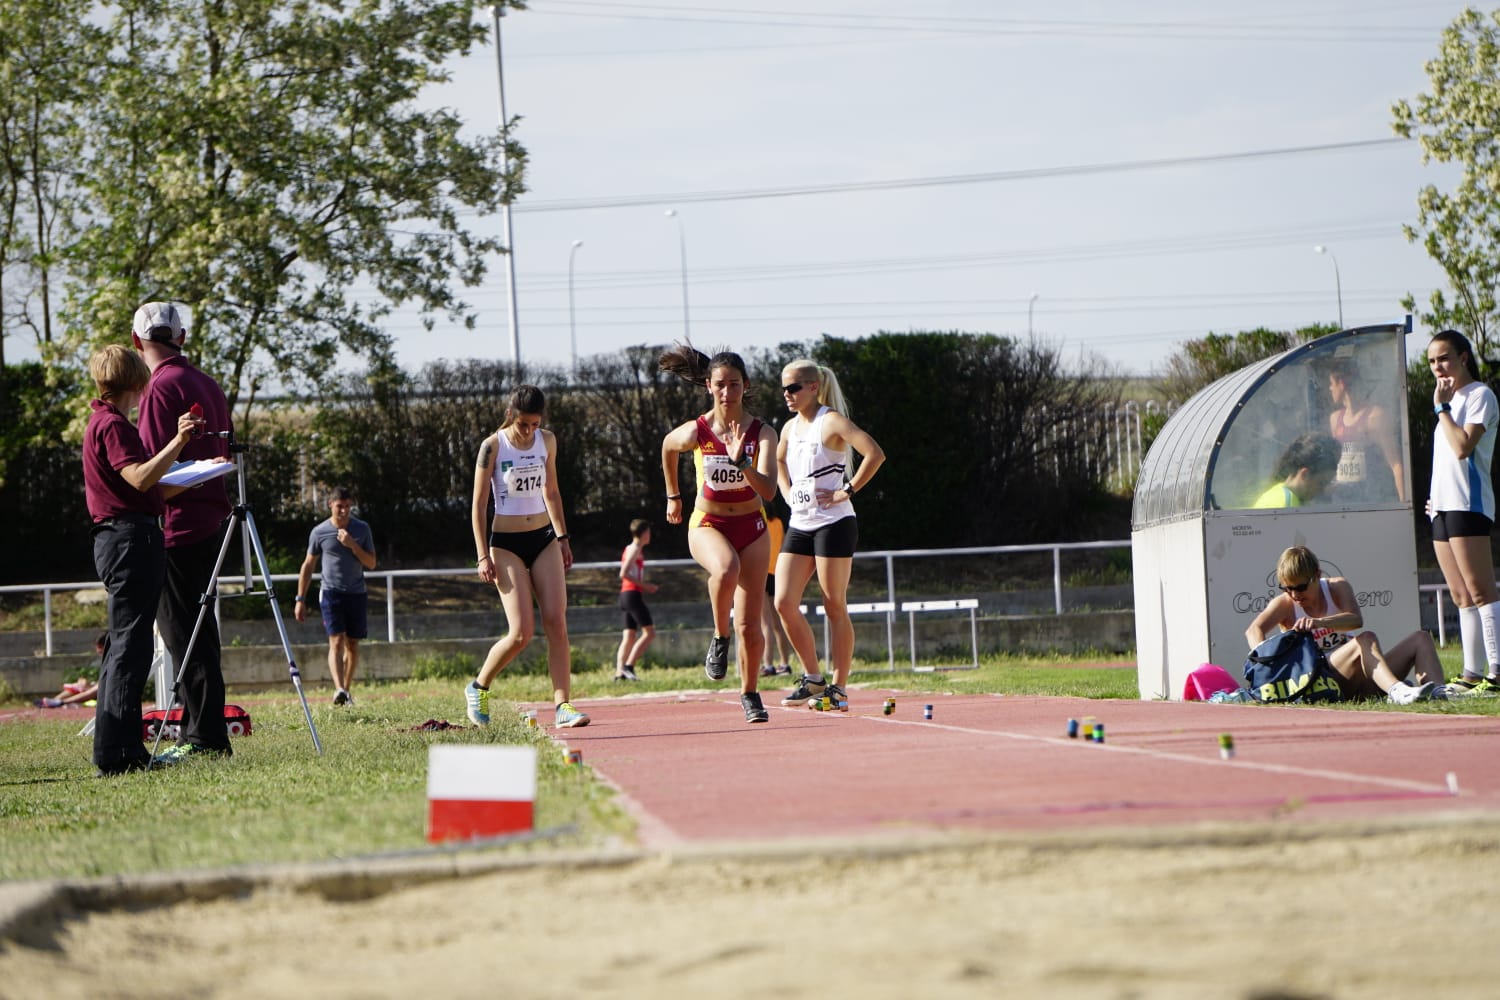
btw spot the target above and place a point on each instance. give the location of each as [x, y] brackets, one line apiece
[195, 473]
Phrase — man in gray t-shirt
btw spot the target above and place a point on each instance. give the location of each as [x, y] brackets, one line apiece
[345, 548]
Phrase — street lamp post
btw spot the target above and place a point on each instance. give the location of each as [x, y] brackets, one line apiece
[572, 327]
[671, 213]
[1030, 311]
[1338, 282]
[497, 11]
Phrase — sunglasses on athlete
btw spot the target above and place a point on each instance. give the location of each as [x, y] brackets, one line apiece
[1294, 588]
[792, 389]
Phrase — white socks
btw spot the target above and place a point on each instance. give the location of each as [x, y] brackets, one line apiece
[1471, 634]
[1491, 639]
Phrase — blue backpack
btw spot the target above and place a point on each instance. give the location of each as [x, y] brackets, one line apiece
[1289, 667]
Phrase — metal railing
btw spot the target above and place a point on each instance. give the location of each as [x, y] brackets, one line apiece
[390, 576]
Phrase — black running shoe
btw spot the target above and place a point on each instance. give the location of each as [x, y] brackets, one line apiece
[716, 663]
[806, 690]
[754, 710]
[835, 694]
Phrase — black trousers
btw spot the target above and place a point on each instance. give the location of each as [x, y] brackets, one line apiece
[201, 694]
[131, 563]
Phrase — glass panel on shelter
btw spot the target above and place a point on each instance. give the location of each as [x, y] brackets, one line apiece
[1322, 430]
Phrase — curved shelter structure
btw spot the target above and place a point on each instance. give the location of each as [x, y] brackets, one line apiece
[1307, 448]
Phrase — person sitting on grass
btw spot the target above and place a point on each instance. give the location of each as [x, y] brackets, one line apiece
[1326, 609]
[83, 690]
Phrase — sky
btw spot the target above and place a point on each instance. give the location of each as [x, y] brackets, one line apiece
[1113, 179]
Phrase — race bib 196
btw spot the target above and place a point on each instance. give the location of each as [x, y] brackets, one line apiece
[804, 494]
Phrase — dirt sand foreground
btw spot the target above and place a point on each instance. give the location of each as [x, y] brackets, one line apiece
[1374, 910]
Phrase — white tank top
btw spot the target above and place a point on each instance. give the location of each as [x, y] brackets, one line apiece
[813, 466]
[520, 479]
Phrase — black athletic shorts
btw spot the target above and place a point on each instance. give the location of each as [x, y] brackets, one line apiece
[526, 544]
[1460, 524]
[836, 540]
[633, 611]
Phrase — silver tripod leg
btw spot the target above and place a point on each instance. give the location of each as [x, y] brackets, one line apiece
[286, 643]
[204, 604]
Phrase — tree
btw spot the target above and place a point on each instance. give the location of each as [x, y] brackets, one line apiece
[1459, 122]
[256, 159]
[998, 438]
[49, 52]
[1204, 361]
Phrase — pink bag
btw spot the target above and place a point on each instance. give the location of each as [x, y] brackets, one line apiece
[1207, 680]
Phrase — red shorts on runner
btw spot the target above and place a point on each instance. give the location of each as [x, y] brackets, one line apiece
[740, 529]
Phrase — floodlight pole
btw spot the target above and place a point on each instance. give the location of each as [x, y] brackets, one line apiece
[497, 11]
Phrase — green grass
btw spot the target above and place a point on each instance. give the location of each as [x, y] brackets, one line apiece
[277, 801]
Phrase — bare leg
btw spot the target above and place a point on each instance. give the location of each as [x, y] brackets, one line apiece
[351, 661]
[1472, 554]
[336, 661]
[1361, 663]
[622, 655]
[514, 584]
[833, 578]
[1416, 654]
[550, 583]
[749, 596]
[1470, 634]
[713, 552]
[648, 634]
[792, 574]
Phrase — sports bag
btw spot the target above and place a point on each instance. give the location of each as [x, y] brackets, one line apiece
[1289, 667]
[236, 719]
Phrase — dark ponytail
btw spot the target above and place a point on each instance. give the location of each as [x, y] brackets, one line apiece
[692, 365]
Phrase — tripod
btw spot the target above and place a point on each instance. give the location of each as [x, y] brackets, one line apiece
[244, 518]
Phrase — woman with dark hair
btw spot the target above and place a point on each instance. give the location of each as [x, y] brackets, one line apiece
[1461, 503]
[1370, 463]
[735, 458]
[523, 550]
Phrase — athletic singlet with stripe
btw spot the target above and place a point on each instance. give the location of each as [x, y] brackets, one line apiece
[520, 479]
[1326, 638]
[1464, 483]
[812, 466]
[718, 478]
[626, 583]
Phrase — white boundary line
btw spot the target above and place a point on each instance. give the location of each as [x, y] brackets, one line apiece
[1310, 772]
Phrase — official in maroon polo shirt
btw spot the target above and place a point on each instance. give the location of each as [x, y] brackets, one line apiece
[125, 503]
[194, 525]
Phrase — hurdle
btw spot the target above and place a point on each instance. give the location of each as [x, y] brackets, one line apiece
[887, 608]
[970, 605]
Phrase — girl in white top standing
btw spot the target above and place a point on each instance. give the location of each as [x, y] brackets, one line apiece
[813, 459]
[1462, 505]
[523, 550]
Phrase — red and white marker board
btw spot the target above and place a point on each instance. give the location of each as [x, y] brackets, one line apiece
[479, 791]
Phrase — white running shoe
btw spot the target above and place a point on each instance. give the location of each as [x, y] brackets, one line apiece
[1405, 694]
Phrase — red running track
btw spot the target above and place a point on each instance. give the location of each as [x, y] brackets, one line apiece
[690, 769]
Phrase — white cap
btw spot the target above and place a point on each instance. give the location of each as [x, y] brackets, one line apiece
[159, 321]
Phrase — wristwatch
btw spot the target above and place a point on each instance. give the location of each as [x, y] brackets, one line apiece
[1443, 408]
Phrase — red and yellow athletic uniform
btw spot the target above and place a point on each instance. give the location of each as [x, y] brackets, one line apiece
[721, 482]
